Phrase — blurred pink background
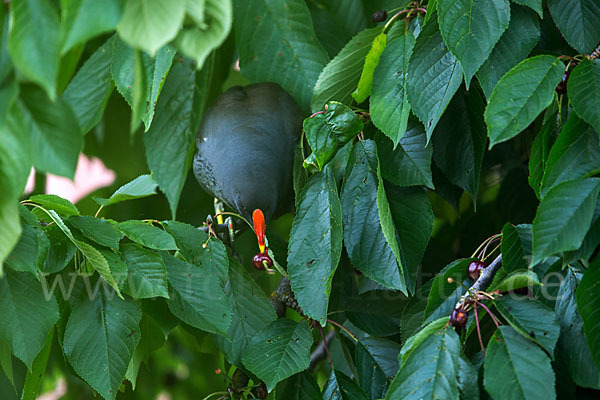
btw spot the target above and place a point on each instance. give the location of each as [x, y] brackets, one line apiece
[91, 174]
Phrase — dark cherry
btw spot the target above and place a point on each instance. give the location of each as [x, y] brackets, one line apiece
[258, 259]
[379, 16]
[475, 269]
[562, 86]
[261, 391]
[458, 318]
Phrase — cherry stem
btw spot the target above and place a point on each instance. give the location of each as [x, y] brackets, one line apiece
[478, 329]
[326, 346]
[387, 24]
[485, 242]
[490, 253]
[98, 212]
[342, 328]
[489, 312]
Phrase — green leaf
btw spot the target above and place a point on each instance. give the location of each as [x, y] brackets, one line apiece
[138, 91]
[416, 339]
[365, 82]
[375, 312]
[325, 131]
[583, 89]
[55, 135]
[384, 353]
[91, 254]
[83, 19]
[34, 42]
[564, 217]
[252, 312]
[575, 153]
[431, 369]
[32, 248]
[341, 387]
[98, 262]
[591, 241]
[279, 351]
[572, 346]
[277, 43]
[516, 280]
[535, 5]
[152, 339]
[376, 362]
[196, 248]
[368, 246]
[150, 24]
[100, 338]
[34, 378]
[520, 95]
[155, 70]
[301, 386]
[434, 75]
[147, 235]
[540, 148]
[28, 250]
[142, 186]
[60, 253]
[530, 318]
[389, 106]
[89, 90]
[468, 379]
[118, 268]
[409, 164]
[443, 295]
[197, 41]
[336, 22]
[15, 166]
[513, 254]
[197, 295]
[521, 36]
[9, 90]
[6, 64]
[99, 230]
[526, 372]
[62, 206]
[27, 315]
[340, 77]
[588, 304]
[412, 216]
[315, 244]
[471, 29]
[578, 21]
[169, 142]
[147, 275]
[6, 362]
[459, 141]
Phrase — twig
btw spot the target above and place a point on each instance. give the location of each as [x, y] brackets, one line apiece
[320, 351]
[595, 54]
[324, 341]
[484, 280]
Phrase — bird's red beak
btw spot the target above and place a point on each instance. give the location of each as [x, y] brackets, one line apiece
[258, 219]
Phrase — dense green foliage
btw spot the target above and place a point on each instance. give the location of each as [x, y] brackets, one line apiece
[439, 133]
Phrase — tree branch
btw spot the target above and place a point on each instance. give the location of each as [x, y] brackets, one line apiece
[484, 280]
[320, 351]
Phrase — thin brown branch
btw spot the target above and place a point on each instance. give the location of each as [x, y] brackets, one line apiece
[320, 352]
